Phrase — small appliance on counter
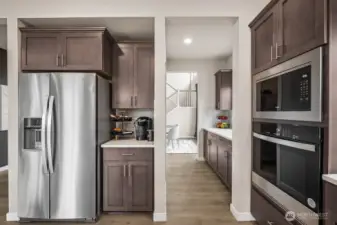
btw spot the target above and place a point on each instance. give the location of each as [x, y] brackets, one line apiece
[223, 122]
[144, 128]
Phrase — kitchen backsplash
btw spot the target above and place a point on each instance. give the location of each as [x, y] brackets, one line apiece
[134, 113]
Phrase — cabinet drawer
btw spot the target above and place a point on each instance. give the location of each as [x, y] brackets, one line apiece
[265, 213]
[128, 154]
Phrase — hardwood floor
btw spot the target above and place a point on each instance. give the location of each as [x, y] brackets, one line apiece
[195, 197]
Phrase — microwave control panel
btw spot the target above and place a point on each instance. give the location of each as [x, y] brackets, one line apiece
[304, 88]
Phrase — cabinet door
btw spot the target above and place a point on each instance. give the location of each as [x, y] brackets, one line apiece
[213, 155]
[144, 76]
[206, 145]
[263, 38]
[217, 90]
[82, 51]
[114, 186]
[229, 168]
[140, 183]
[226, 91]
[123, 80]
[302, 27]
[40, 51]
[222, 162]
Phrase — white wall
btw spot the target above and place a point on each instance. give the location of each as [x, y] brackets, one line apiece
[12, 10]
[3, 37]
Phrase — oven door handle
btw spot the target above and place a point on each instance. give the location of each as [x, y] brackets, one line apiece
[301, 146]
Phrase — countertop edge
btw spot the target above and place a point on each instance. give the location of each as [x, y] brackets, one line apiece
[126, 146]
[219, 134]
[331, 178]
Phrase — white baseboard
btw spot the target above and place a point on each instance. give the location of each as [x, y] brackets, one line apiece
[159, 217]
[241, 216]
[4, 168]
[13, 216]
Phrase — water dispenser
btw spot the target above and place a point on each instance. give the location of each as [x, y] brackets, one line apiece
[32, 133]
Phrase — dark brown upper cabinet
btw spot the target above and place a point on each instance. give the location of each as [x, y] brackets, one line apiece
[133, 87]
[3, 67]
[72, 50]
[223, 90]
[285, 29]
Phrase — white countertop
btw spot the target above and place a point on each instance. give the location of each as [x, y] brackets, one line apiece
[225, 133]
[331, 178]
[128, 143]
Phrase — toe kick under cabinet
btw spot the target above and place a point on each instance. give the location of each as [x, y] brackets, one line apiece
[127, 179]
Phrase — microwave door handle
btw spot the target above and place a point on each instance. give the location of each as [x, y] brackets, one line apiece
[301, 146]
[50, 133]
[43, 138]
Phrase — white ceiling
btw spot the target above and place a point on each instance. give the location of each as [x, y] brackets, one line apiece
[212, 37]
[120, 28]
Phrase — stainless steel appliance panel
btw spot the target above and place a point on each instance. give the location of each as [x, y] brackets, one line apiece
[33, 178]
[314, 59]
[73, 182]
[285, 201]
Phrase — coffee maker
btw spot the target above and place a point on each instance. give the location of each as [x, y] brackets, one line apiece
[144, 126]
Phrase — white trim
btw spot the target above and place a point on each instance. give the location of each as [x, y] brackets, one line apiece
[159, 217]
[4, 168]
[241, 216]
[12, 216]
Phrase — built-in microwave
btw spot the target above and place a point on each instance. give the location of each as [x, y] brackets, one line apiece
[287, 165]
[291, 90]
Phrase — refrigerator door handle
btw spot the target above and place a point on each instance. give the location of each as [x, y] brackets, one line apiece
[43, 138]
[50, 133]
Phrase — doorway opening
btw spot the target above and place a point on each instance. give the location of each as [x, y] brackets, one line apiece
[181, 112]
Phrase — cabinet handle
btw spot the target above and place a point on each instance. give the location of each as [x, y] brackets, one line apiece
[277, 55]
[131, 101]
[128, 154]
[270, 222]
[218, 105]
[57, 60]
[271, 53]
[62, 60]
[130, 175]
[136, 102]
[124, 168]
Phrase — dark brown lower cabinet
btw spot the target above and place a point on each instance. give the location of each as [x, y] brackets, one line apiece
[218, 155]
[115, 186]
[330, 198]
[128, 180]
[140, 186]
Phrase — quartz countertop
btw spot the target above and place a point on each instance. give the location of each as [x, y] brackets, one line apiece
[128, 143]
[331, 178]
[225, 133]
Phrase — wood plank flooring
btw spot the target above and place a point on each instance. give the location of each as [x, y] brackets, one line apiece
[195, 197]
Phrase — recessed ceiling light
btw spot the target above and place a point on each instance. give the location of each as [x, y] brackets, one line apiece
[188, 41]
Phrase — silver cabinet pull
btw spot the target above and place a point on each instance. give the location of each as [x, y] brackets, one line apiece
[57, 60]
[277, 55]
[62, 60]
[271, 53]
[130, 175]
[124, 170]
[270, 222]
[131, 101]
[128, 154]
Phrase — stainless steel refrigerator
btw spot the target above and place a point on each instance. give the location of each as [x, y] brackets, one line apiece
[64, 117]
